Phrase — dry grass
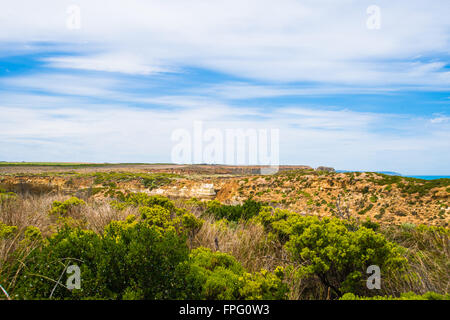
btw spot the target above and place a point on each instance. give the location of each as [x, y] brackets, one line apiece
[23, 212]
[246, 242]
[428, 253]
[99, 214]
[28, 210]
[32, 210]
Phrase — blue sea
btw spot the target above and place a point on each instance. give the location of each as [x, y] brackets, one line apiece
[392, 173]
[428, 177]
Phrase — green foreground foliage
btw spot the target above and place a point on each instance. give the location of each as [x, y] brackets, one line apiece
[246, 211]
[144, 257]
[338, 252]
[147, 256]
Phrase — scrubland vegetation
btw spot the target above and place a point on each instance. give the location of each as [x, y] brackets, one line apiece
[137, 246]
[382, 198]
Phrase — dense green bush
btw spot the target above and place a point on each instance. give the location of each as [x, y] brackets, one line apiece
[63, 208]
[369, 224]
[335, 251]
[131, 259]
[6, 231]
[143, 199]
[149, 180]
[135, 260]
[161, 211]
[144, 257]
[264, 285]
[246, 211]
[219, 276]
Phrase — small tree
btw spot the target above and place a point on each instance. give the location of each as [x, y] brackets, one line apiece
[336, 251]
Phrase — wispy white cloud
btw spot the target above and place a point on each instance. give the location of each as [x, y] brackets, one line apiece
[126, 63]
[244, 90]
[287, 40]
[62, 84]
[440, 119]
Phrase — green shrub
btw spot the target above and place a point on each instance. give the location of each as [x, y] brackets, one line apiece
[143, 257]
[335, 251]
[131, 259]
[149, 180]
[196, 203]
[365, 210]
[369, 224]
[135, 260]
[365, 190]
[216, 275]
[161, 212]
[162, 218]
[246, 211]
[6, 231]
[219, 276]
[31, 234]
[63, 208]
[142, 199]
[264, 285]
[156, 181]
[4, 195]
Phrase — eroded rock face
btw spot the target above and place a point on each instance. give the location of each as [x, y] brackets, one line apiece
[40, 185]
[196, 190]
[67, 185]
[307, 191]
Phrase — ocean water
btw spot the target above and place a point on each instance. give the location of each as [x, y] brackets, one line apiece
[391, 173]
[429, 177]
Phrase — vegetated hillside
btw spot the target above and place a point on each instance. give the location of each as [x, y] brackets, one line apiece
[206, 232]
[138, 246]
[383, 198]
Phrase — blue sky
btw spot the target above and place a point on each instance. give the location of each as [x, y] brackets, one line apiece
[115, 87]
